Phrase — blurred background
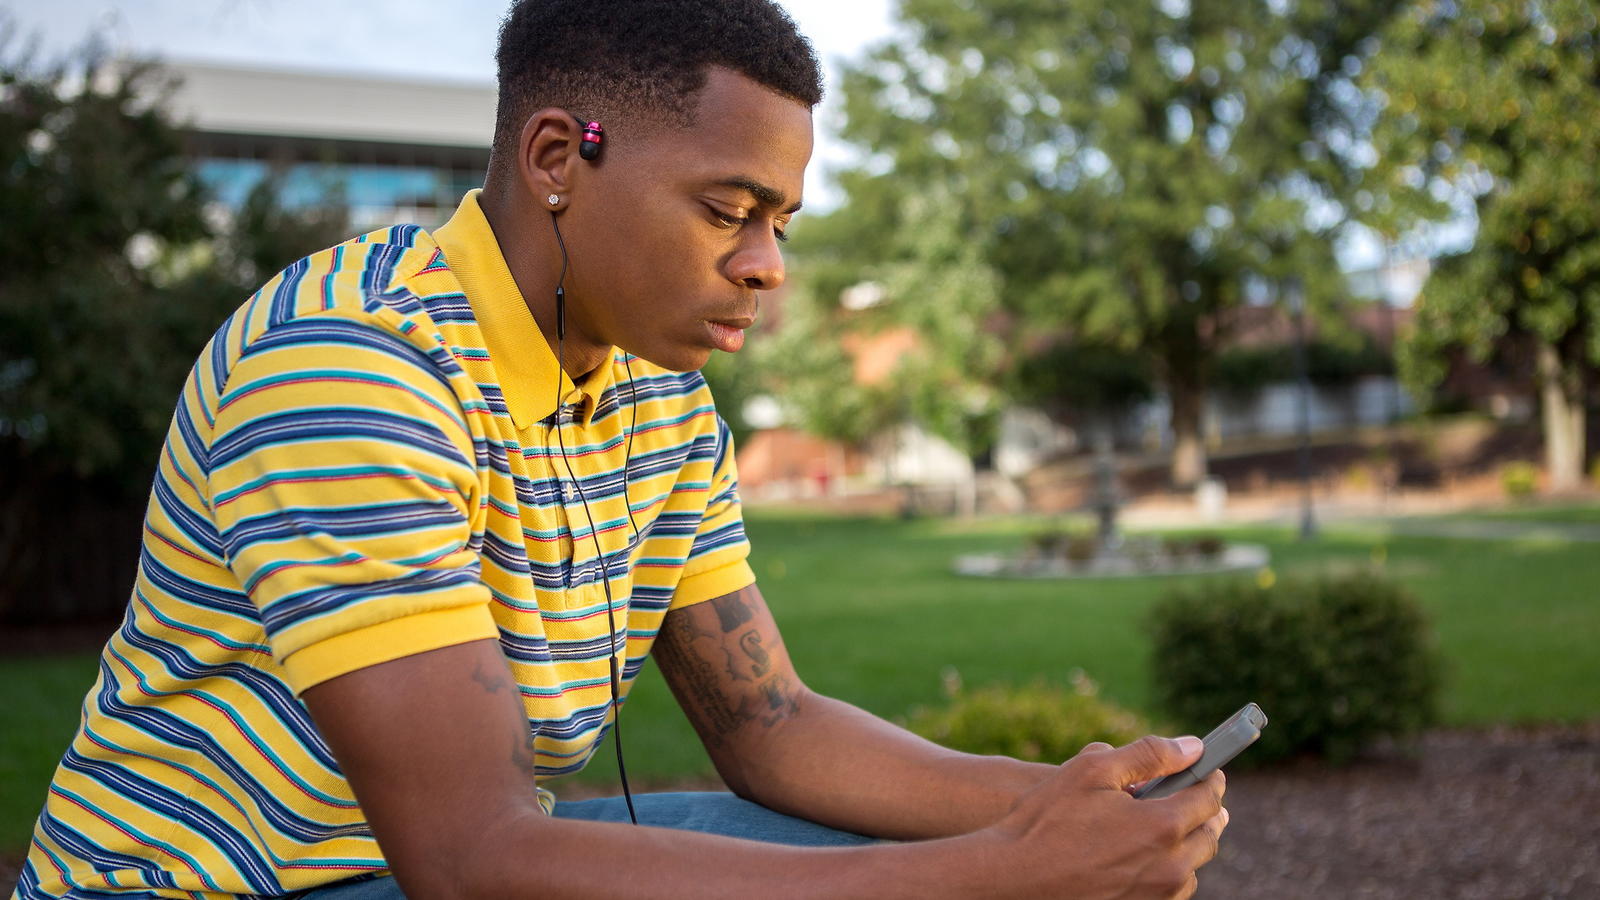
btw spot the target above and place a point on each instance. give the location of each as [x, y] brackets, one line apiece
[1136, 360]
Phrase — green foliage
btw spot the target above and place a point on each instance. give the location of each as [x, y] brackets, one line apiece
[733, 381]
[1120, 173]
[115, 278]
[1489, 107]
[937, 283]
[1205, 547]
[1041, 722]
[1520, 479]
[95, 192]
[1074, 379]
[1327, 362]
[1335, 662]
[815, 375]
[121, 280]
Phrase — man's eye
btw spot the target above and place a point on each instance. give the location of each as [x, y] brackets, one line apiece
[739, 221]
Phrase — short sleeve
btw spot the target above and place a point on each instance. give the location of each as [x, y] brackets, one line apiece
[718, 561]
[342, 483]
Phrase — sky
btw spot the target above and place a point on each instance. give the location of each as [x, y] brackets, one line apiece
[439, 39]
[429, 39]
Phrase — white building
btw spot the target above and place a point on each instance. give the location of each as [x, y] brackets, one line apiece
[399, 151]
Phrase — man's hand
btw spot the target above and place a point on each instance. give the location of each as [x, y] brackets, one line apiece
[1079, 834]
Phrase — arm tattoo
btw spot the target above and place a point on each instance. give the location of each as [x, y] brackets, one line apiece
[491, 682]
[747, 688]
[732, 611]
[750, 643]
[522, 741]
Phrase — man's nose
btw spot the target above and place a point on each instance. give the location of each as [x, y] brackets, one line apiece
[758, 263]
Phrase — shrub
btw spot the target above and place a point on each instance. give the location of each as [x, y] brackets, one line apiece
[1206, 547]
[1520, 479]
[1041, 721]
[1082, 548]
[1209, 547]
[1334, 662]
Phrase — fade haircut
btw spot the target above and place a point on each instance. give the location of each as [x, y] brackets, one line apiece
[644, 59]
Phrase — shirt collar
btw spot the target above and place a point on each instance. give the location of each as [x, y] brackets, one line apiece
[527, 368]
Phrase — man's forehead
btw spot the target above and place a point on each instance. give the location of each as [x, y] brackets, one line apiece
[745, 136]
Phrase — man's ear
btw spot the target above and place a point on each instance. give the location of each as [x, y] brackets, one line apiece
[547, 152]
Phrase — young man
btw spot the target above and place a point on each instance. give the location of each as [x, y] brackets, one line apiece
[429, 501]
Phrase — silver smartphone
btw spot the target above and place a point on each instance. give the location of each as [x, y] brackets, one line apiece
[1222, 744]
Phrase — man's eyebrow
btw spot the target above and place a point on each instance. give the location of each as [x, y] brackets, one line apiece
[765, 195]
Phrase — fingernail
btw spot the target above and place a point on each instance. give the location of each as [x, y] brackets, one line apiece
[1190, 744]
[1225, 816]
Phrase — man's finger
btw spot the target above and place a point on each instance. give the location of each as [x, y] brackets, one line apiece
[1196, 805]
[1202, 844]
[1148, 757]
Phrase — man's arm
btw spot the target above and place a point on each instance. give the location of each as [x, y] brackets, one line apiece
[788, 748]
[435, 746]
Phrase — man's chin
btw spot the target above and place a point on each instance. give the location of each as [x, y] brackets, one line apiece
[677, 359]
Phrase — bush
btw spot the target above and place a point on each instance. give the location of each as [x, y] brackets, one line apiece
[1520, 479]
[1041, 722]
[1334, 662]
[1082, 548]
[1204, 547]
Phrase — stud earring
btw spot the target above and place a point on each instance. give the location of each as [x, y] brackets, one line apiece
[555, 199]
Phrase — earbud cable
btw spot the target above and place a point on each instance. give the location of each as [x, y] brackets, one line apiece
[594, 532]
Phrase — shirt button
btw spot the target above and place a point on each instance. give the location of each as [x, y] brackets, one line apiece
[567, 491]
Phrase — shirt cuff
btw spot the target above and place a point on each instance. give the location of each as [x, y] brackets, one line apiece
[714, 583]
[386, 641]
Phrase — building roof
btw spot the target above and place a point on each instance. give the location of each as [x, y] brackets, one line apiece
[297, 103]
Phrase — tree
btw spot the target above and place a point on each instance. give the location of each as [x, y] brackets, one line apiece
[934, 280]
[1124, 172]
[1498, 102]
[112, 279]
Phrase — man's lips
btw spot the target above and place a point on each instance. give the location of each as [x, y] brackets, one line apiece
[727, 335]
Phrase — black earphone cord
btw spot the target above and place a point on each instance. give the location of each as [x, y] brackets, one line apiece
[594, 533]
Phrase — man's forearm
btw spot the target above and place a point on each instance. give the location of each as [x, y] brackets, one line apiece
[540, 857]
[834, 763]
[778, 743]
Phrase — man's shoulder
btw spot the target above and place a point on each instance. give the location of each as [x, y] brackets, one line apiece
[387, 268]
[393, 278]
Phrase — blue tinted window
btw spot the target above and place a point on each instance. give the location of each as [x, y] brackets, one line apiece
[308, 184]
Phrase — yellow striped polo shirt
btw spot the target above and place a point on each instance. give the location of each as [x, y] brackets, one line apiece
[366, 462]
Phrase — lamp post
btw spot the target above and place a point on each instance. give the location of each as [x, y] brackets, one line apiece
[1297, 309]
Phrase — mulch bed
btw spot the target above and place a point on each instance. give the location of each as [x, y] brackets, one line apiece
[1505, 814]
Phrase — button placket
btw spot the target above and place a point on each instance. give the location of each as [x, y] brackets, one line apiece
[576, 516]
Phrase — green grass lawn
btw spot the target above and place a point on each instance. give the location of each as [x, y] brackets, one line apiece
[40, 712]
[1587, 514]
[873, 614]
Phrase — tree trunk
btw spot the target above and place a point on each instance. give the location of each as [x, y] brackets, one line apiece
[1561, 402]
[1188, 444]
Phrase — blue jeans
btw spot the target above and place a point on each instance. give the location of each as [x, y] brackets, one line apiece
[712, 813]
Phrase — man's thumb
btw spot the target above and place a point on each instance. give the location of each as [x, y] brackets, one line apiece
[1150, 757]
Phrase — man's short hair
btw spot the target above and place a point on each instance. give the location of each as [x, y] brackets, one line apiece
[603, 59]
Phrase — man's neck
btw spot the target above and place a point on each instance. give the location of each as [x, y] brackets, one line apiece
[534, 260]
